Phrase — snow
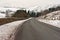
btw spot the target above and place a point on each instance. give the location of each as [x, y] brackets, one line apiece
[2, 15]
[7, 31]
[51, 22]
[52, 16]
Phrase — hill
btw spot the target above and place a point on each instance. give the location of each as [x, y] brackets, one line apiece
[52, 16]
[21, 14]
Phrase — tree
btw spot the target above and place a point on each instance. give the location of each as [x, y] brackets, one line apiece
[52, 9]
[21, 14]
[58, 8]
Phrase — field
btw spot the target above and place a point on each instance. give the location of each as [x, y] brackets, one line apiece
[8, 20]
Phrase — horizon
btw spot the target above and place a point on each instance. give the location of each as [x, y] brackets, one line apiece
[28, 3]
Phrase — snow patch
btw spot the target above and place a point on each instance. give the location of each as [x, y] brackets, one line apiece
[51, 22]
[2, 15]
[7, 31]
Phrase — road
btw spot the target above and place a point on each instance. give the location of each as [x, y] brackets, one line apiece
[35, 30]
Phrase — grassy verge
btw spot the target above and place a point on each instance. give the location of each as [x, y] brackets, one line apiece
[8, 20]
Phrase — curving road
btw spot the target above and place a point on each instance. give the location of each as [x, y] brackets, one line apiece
[35, 30]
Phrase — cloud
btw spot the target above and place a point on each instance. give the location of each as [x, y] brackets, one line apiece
[28, 3]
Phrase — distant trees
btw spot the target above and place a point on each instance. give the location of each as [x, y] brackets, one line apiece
[52, 9]
[7, 13]
[21, 14]
[32, 14]
[58, 8]
[38, 14]
[49, 10]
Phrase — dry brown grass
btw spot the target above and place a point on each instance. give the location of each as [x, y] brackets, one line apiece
[8, 20]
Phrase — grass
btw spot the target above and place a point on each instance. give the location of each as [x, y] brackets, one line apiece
[8, 20]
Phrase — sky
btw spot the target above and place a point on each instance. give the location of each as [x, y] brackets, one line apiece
[28, 3]
[31, 4]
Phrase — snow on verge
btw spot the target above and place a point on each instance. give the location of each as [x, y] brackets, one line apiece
[7, 30]
[51, 22]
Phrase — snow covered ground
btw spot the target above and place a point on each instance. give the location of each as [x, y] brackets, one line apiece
[2, 15]
[51, 22]
[7, 30]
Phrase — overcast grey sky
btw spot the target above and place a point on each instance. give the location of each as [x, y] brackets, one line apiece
[28, 3]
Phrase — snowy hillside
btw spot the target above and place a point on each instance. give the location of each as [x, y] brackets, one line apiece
[52, 16]
[2, 15]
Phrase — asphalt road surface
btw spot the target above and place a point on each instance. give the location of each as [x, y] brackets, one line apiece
[35, 30]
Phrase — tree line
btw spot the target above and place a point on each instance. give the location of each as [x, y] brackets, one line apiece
[49, 10]
[23, 13]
